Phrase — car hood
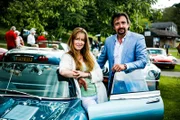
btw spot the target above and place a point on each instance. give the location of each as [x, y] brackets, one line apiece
[32, 109]
[151, 66]
[161, 58]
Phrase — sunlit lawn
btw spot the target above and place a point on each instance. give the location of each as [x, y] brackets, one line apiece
[174, 53]
[170, 92]
[2, 45]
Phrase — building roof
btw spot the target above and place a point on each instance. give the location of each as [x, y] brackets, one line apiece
[160, 25]
[164, 33]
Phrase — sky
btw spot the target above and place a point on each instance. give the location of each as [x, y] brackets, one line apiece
[165, 3]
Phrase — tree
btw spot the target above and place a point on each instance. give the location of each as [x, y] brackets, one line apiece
[59, 16]
[172, 14]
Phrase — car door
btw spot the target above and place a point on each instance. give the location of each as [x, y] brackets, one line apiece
[129, 100]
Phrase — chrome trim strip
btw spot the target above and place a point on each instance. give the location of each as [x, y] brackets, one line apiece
[138, 95]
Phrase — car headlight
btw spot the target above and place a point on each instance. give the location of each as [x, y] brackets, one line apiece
[174, 61]
[154, 75]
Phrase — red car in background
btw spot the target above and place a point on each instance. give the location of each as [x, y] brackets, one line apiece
[159, 57]
[2, 52]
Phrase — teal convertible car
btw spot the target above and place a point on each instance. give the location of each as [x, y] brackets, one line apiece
[32, 90]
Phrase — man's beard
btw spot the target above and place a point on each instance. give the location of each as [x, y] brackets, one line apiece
[121, 31]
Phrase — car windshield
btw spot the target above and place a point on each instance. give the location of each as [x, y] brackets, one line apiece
[32, 79]
[156, 52]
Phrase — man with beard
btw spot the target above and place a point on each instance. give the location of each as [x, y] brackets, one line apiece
[126, 50]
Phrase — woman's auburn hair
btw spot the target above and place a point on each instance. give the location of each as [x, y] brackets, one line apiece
[85, 51]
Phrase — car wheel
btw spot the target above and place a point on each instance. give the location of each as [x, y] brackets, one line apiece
[172, 67]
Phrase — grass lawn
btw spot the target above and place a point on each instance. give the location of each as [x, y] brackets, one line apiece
[2, 45]
[174, 53]
[170, 92]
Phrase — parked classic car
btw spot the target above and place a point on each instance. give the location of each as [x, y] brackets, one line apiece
[159, 57]
[32, 90]
[151, 74]
[28, 95]
[49, 55]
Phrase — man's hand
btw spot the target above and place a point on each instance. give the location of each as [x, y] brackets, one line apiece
[118, 67]
[83, 83]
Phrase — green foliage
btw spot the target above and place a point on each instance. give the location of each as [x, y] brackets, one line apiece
[172, 14]
[2, 33]
[59, 16]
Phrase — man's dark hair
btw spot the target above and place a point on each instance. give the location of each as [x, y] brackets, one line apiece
[117, 15]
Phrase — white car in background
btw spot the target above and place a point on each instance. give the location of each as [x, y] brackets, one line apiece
[151, 74]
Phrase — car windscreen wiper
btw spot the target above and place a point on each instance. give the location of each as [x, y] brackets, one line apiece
[19, 93]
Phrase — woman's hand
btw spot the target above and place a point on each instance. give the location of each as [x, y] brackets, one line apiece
[80, 74]
[75, 74]
[83, 83]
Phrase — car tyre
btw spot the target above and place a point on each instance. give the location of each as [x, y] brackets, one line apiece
[172, 67]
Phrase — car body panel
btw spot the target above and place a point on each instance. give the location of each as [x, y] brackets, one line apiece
[159, 57]
[128, 109]
[130, 99]
[21, 108]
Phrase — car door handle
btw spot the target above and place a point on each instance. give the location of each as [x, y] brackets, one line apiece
[153, 101]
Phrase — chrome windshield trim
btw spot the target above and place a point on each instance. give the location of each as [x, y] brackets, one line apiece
[37, 97]
[135, 95]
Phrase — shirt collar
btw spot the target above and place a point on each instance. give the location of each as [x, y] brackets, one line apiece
[123, 37]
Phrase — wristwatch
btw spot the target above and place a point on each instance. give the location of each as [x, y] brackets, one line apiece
[125, 66]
